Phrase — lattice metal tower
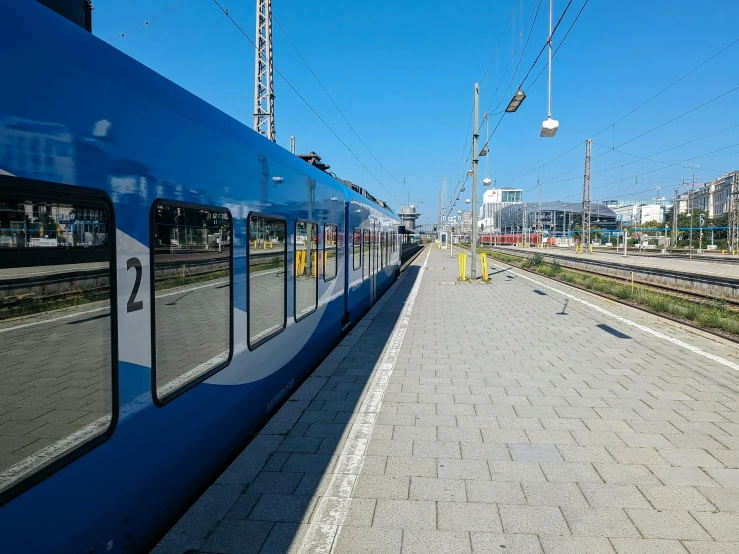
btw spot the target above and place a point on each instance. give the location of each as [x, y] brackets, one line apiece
[524, 225]
[264, 94]
[585, 237]
[734, 215]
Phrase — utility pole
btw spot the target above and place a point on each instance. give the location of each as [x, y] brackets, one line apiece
[734, 215]
[585, 236]
[292, 145]
[674, 218]
[690, 203]
[475, 160]
[539, 227]
[264, 94]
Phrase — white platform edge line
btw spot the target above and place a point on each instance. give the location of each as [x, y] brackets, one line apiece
[332, 509]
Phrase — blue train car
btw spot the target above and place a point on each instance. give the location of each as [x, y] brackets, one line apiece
[167, 278]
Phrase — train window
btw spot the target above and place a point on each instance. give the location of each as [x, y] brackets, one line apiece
[366, 237]
[267, 259]
[383, 255]
[330, 251]
[56, 332]
[357, 248]
[306, 268]
[192, 294]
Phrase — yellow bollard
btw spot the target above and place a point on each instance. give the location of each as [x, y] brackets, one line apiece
[315, 265]
[484, 265]
[462, 267]
[591, 248]
[255, 245]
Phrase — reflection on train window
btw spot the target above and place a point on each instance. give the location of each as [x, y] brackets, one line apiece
[306, 268]
[56, 367]
[366, 252]
[330, 251]
[357, 248]
[192, 291]
[267, 255]
[382, 249]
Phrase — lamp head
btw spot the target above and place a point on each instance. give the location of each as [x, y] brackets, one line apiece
[549, 128]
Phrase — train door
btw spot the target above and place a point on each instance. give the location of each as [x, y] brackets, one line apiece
[349, 248]
[373, 263]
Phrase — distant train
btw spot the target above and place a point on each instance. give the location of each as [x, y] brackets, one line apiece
[192, 273]
[512, 238]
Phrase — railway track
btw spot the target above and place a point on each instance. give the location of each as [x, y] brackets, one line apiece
[698, 285]
[733, 304]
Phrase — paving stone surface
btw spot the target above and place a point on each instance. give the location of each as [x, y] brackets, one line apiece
[507, 421]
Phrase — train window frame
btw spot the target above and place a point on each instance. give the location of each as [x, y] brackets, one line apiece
[295, 280]
[35, 189]
[366, 254]
[253, 346]
[356, 267]
[335, 248]
[383, 249]
[171, 395]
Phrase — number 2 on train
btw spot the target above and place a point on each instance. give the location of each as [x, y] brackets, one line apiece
[133, 305]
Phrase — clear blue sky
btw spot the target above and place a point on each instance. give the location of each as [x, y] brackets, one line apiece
[403, 72]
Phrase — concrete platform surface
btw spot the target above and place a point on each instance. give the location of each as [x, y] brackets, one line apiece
[519, 416]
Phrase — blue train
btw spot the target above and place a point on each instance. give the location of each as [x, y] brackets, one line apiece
[167, 277]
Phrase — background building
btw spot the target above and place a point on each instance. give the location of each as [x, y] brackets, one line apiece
[714, 198]
[554, 218]
[493, 201]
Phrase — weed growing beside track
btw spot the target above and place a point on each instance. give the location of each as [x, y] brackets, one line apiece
[707, 314]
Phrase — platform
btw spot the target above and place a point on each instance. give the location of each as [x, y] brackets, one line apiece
[699, 265]
[520, 416]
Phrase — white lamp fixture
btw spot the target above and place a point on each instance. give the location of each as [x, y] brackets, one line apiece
[467, 201]
[486, 182]
[549, 127]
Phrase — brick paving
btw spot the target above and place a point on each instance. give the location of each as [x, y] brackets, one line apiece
[514, 420]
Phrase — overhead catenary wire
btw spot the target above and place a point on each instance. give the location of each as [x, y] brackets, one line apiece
[610, 125]
[484, 75]
[352, 129]
[534, 15]
[554, 29]
[678, 163]
[564, 38]
[295, 90]
[646, 132]
[146, 22]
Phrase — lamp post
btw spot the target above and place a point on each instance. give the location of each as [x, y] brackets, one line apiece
[513, 105]
[550, 126]
[691, 203]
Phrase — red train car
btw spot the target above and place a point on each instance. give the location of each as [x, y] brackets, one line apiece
[510, 238]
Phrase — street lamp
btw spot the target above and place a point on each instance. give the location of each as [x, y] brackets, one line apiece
[515, 102]
[550, 126]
